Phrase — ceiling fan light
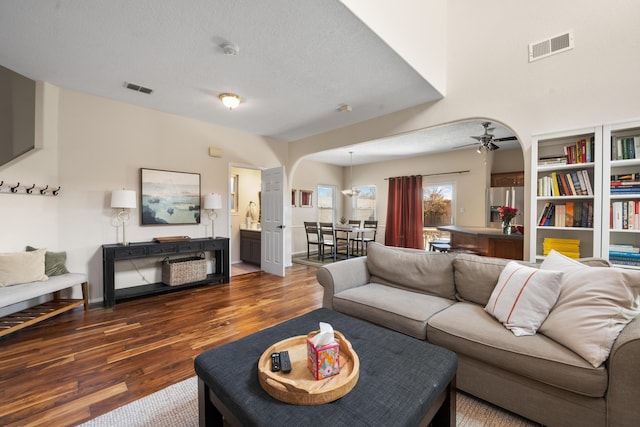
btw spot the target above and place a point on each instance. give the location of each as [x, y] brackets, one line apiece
[230, 100]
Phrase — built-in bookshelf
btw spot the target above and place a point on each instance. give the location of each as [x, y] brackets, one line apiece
[621, 194]
[567, 172]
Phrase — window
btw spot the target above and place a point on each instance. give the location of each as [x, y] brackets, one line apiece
[364, 204]
[233, 196]
[326, 203]
[437, 201]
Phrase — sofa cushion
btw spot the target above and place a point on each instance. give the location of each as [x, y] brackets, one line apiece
[422, 271]
[469, 330]
[22, 267]
[594, 305]
[398, 309]
[523, 297]
[476, 276]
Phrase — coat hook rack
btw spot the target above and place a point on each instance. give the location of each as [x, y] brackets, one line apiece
[26, 189]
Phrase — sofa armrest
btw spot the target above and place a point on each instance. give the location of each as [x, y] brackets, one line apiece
[623, 393]
[341, 276]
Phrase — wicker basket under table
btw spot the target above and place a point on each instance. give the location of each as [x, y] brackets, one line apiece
[184, 270]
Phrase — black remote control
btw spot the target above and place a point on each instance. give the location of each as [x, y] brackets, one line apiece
[285, 362]
[275, 362]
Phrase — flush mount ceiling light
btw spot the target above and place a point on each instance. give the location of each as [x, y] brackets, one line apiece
[350, 192]
[230, 100]
[229, 48]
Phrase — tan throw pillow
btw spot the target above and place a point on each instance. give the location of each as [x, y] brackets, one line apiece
[523, 297]
[22, 267]
[594, 305]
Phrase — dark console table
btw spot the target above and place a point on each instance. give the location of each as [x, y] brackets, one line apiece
[113, 253]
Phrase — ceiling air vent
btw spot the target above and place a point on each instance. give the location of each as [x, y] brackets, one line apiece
[138, 88]
[551, 46]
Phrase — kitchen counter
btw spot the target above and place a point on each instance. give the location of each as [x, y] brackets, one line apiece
[485, 241]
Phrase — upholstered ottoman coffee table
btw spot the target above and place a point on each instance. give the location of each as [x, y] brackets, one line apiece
[403, 381]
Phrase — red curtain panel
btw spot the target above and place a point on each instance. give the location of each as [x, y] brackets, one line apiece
[404, 213]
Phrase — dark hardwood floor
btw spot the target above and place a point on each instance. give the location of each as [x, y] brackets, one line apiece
[79, 365]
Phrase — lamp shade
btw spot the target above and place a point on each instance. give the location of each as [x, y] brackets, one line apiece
[123, 199]
[212, 201]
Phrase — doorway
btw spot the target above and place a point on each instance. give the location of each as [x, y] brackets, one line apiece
[245, 210]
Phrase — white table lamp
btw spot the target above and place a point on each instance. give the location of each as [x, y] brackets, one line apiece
[123, 200]
[212, 202]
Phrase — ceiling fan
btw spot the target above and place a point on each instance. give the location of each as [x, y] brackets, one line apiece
[487, 141]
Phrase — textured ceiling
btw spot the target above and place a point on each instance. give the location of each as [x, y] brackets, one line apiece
[420, 142]
[298, 60]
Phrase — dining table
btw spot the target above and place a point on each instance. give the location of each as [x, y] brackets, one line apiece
[351, 234]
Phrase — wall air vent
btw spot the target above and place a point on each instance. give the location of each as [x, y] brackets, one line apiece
[551, 46]
[138, 88]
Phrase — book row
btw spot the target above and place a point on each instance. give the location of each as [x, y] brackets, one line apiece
[568, 247]
[580, 152]
[625, 147]
[624, 215]
[569, 214]
[572, 183]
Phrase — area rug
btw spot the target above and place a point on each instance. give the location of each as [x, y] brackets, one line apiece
[312, 261]
[177, 406]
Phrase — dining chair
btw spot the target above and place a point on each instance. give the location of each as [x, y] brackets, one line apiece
[328, 240]
[313, 237]
[369, 226]
[355, 241]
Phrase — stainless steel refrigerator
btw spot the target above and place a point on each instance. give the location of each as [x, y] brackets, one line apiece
[504, 196]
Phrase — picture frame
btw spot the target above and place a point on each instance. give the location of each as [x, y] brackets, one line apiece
[305, 198]
[294, 197]
[169, 197]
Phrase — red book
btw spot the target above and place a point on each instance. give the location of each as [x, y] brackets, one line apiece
[563, 181]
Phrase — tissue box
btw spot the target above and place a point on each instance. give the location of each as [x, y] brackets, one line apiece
[324, 361]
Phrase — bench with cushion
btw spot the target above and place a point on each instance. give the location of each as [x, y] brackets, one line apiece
[23, 278]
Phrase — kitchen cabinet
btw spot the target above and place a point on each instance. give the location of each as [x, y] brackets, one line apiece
[507, 179]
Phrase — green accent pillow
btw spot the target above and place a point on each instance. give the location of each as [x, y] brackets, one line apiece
[54, 262]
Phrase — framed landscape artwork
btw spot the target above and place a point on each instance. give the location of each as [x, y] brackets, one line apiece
[169, 198]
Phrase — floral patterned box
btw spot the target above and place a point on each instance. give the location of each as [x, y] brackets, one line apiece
[324, 361]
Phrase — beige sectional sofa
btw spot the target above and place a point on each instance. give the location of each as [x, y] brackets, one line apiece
[441, 298]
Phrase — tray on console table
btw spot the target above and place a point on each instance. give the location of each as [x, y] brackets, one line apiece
[114, 253]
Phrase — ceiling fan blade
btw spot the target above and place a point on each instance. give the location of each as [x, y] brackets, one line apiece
[506, 138]
[492, 146]
[464, 146]
[479, 138]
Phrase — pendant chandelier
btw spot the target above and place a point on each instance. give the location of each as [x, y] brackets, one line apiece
[350, 192]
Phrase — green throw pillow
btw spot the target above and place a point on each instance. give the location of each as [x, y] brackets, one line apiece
[53, 262]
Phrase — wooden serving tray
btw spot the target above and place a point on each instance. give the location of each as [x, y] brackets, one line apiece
[299, 387]
[170, 239]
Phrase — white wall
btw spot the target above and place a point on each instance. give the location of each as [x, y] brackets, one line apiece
[309, 175]
[419, 20]
[489, 76]
[93, 145]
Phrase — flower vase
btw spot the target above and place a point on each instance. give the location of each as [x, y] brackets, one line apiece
[506, 226]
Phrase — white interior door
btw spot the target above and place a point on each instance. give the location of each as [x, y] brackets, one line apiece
[273, 221]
